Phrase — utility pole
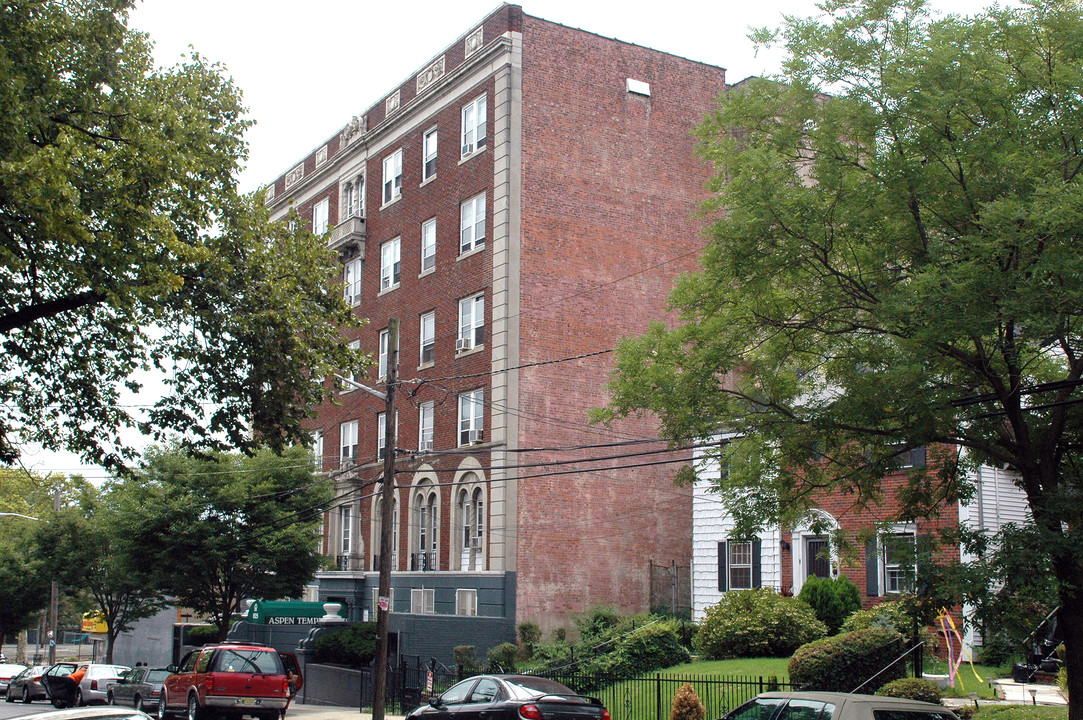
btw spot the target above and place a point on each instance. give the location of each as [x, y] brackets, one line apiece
[387, 517]
[54, 595]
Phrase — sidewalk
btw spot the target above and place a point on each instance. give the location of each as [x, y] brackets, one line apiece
[298, 711]
[1013, 693]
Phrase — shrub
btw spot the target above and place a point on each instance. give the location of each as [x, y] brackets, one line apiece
[596, 621]
[354, 646]
[831, 600]
[687, 705]
[651, 647]
[843, 662]
[200, 635]
[502, 657]
[529, 637]
[913, 689]
[466, 656]
[1062, 680]
[756, 623]
[890, 614]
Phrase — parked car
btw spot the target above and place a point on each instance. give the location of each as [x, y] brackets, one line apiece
[94, 687]
[60, 693]
[511, 697]
[836, 706]
[8, 671]
[89, 713]
[139, 687]
[231, 679]
[26, 686]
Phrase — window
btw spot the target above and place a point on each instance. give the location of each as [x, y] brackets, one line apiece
[351, 281]
[428, 338]
[470, 524]
[320, 216]
[739, 564]
[466, 602]
[471, 323]
[428, 245]
[427, 529]
[317, 449]
[474, 126]
[385, 349]
[392, 176]
[345, 516]
[424, 424]
[898, 562]
[353, 198]
[472, 224]
[470, 417]
[351, 376]
[348, 442]
[381, 433]
[422, 601]
[389, 264]
[428, 168]
[376, 525]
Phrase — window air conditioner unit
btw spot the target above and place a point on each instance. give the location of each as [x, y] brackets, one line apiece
[476, 436]
[426, 445]
[475, 543]
[462, 344]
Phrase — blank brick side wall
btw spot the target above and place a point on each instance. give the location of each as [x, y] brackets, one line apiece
[610, 187]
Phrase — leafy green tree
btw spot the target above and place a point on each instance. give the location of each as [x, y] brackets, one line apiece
[894, 262]
[125, 246]
[215, 530]
[88, 549]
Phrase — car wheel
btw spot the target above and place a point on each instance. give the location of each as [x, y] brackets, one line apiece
[8, 696]
[109, 699]
[58, 703]
[195, 712]
[79, 698]
[26, 694]
[138, 703]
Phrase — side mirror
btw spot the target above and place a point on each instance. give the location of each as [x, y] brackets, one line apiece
[171, 668]
[434, 701]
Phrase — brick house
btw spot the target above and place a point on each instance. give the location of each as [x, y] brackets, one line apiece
[519, 204]
[784, 558]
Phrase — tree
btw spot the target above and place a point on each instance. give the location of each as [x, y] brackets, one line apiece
[894, 262]
[125, 246]
[88, 548]
[216, 530]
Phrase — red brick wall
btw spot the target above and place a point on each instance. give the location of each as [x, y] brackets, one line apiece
[610, 184]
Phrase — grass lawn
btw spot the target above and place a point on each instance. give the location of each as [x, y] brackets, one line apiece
[965, 682]
[746, 667]
[1020, 712]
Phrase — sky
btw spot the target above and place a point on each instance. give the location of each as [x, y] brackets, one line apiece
[306, 68]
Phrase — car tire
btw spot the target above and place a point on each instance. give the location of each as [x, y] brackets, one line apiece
[110, 699]
[163, 710]
[26, 694]
[8, 696]
[58, 703]
[195, 712]
[137, 703]
[79, 702]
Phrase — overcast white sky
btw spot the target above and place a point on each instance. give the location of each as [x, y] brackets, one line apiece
[306, 67]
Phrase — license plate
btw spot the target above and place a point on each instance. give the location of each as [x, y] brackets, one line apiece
[249, 701]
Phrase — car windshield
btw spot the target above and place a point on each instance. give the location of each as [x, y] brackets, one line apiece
[157, 676]
[248, 661]
[524, 688]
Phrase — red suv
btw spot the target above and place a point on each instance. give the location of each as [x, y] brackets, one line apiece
[232, 679]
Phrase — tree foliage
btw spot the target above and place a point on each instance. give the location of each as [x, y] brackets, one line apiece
[88, 548]
[125, 246]
[894, 262]
[216, 530]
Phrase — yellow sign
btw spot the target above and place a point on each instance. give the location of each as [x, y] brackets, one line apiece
[94, 623]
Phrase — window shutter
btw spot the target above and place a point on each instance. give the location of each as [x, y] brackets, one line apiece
[722, 570]
[872, 570]
[757, 580]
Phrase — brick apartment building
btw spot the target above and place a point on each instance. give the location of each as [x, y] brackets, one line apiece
[527, 197]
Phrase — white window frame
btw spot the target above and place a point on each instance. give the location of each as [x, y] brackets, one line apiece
[422, 601]
[393, 177]
[384, 349]
[351, 281]
[347, 442]
[427, 339]
[473, 126]
[466, 601]
[425, 413]
[321, 217]
[429, 151]
[428, 245]
[740, 559]
[893, 575]
[317, 449]
[352, 376]
[353, 198]
[472, 224]
[471, 323]
[390, 264]
[345, 529]
[381, 433]
[471, 415]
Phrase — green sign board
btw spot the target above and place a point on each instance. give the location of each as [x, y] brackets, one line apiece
[285, 612]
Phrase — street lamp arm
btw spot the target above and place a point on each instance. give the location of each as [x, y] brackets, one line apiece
[10, 514]
[358, 386]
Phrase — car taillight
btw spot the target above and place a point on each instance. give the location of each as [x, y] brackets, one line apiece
[208, 683]
[605, 714]
[93, 684]
[530, 712]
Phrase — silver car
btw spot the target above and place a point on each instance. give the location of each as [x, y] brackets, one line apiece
[95, 685]
[8, 671]
[836, 706]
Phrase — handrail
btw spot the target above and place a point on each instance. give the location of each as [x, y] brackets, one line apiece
[889, 666]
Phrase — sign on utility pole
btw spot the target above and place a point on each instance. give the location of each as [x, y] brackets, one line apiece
[387, 516]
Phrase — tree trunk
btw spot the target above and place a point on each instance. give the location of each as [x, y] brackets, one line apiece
[1070, 620]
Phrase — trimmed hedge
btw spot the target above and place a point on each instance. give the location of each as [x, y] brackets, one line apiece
[912, 689]
[843, 662]
[756, 623]
[889, 613]
[354, 646]
[831, 599]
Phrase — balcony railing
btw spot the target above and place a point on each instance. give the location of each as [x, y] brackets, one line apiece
[349, 563]
[423, 561]
[348, 238]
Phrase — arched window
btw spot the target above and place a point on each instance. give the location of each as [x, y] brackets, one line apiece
[377, 522]
[470, 524]
[426, 528]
